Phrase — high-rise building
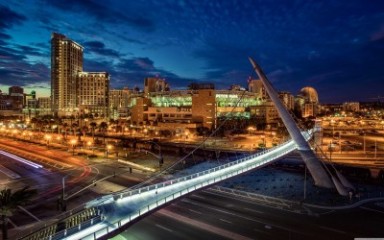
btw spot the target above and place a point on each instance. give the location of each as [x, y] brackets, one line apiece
[288, 100]
[307, 102]
[44, 104]
[256, 86]
[155, 84]
[66, 62]
[119, 102]
[73, 91]
[16, 96]
[93, 93]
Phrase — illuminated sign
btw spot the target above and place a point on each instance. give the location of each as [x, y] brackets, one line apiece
[227, 96]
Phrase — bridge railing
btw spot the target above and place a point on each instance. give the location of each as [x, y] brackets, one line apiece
[172, 196]
[307, 135]
[189, 177]
[155, 204]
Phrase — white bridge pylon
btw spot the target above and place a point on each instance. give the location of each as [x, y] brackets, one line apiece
[313, 164]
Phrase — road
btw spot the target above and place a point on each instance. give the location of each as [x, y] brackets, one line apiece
[208, 215]
[48, 180]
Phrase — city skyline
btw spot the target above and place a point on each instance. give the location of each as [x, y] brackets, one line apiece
[333, 47]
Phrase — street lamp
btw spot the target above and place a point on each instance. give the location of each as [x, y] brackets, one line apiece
[89, 143]
[273, 137]
[333, 127]
[161, 160]
[48, 137]
[73, 143]
[109, 147]
[145, 131]
[186, 133]
[263, 138]
[14, 133]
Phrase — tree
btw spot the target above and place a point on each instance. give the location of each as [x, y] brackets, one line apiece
[74, 127]
[9, 202]
[65, 130]
[93, 127]
[103, 126]
[84, 130]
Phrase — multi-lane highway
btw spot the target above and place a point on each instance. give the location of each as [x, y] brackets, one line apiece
[208, 215]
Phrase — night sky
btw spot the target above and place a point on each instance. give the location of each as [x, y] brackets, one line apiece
[337, 47]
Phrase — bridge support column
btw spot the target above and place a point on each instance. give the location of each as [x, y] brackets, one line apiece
[313, 163]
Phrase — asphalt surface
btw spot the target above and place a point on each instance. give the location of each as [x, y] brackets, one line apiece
[207, 215]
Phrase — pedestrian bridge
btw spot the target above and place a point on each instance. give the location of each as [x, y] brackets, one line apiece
[106, 216]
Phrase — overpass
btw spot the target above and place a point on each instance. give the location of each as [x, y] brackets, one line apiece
[108, 215]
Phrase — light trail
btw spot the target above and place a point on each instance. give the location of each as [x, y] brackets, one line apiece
[20, 159]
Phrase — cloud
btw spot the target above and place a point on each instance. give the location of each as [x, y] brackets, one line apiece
[27, 50]
[8, 54]
[137, 65]
[22, 73]
[137, 69]
[104, 13]
[132, 72]
[99, 48]
[9, 18]
[4, 36]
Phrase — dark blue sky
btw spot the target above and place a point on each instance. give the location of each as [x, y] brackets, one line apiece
[337, 47]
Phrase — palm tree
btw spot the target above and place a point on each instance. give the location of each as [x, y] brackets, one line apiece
[9, 202]
[103, 126]
[74, 127]
[84, 130]
[65, 127]
[93, 127]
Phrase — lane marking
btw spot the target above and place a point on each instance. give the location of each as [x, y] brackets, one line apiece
[197, 196]
[8, 172]
[371, 209]
[332, 229]
[252, 219]
[253, 210]
[194, 211]
[164, 228]
[226, 221]
[205, 226]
